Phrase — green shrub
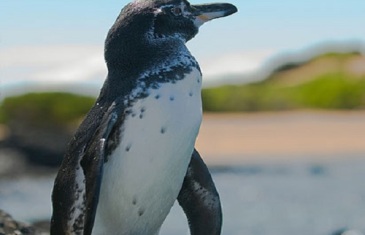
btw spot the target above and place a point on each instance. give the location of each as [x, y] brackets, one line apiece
[45, 108]
[331, 91]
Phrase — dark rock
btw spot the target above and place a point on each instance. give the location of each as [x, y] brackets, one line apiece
[345, 231]
[9, 226]
[14, 163]
[36, 152]
[43, 146]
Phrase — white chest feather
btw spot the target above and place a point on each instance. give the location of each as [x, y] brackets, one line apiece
[144, 175]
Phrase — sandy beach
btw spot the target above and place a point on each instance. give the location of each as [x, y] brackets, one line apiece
[227, 138]
[278, 136]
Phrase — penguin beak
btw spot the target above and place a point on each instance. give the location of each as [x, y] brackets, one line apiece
[206, 12]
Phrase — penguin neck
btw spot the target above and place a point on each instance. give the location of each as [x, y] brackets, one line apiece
[132, 59]
[131, 56]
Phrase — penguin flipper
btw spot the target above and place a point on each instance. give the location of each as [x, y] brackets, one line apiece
[92, 165]
[200, 200]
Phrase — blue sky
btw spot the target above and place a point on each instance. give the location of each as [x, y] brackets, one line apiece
[34, 32]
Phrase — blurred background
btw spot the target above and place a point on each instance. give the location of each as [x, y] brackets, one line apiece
[284, 108]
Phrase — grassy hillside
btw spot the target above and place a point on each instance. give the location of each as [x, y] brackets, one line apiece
[42, 109]
[40, 125]
[331, 81]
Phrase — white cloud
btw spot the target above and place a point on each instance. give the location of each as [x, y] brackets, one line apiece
[50, 67]
[74, 71]
[75, 63]
[59, 67]
[235, 63]
[51, 63]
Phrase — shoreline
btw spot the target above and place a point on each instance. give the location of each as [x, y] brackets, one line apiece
[306, 135]
[281, 136]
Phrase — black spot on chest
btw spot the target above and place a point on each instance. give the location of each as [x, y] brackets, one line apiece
[134, 202]
[128, 148]
[140, 211]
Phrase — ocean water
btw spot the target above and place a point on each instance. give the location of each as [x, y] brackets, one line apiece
[286, 198]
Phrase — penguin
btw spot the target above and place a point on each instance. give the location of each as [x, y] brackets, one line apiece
[133, 155]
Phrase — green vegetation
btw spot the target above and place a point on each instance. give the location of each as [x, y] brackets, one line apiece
[332, 91]
[325, 82]
[42, 109]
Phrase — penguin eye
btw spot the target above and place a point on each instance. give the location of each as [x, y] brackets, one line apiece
[176, 11]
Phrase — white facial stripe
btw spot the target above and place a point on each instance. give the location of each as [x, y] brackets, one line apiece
[198, 22]
[201, 19]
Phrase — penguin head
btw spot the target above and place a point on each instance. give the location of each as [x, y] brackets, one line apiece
[169, 18]
[178, 18]
[144, 24]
